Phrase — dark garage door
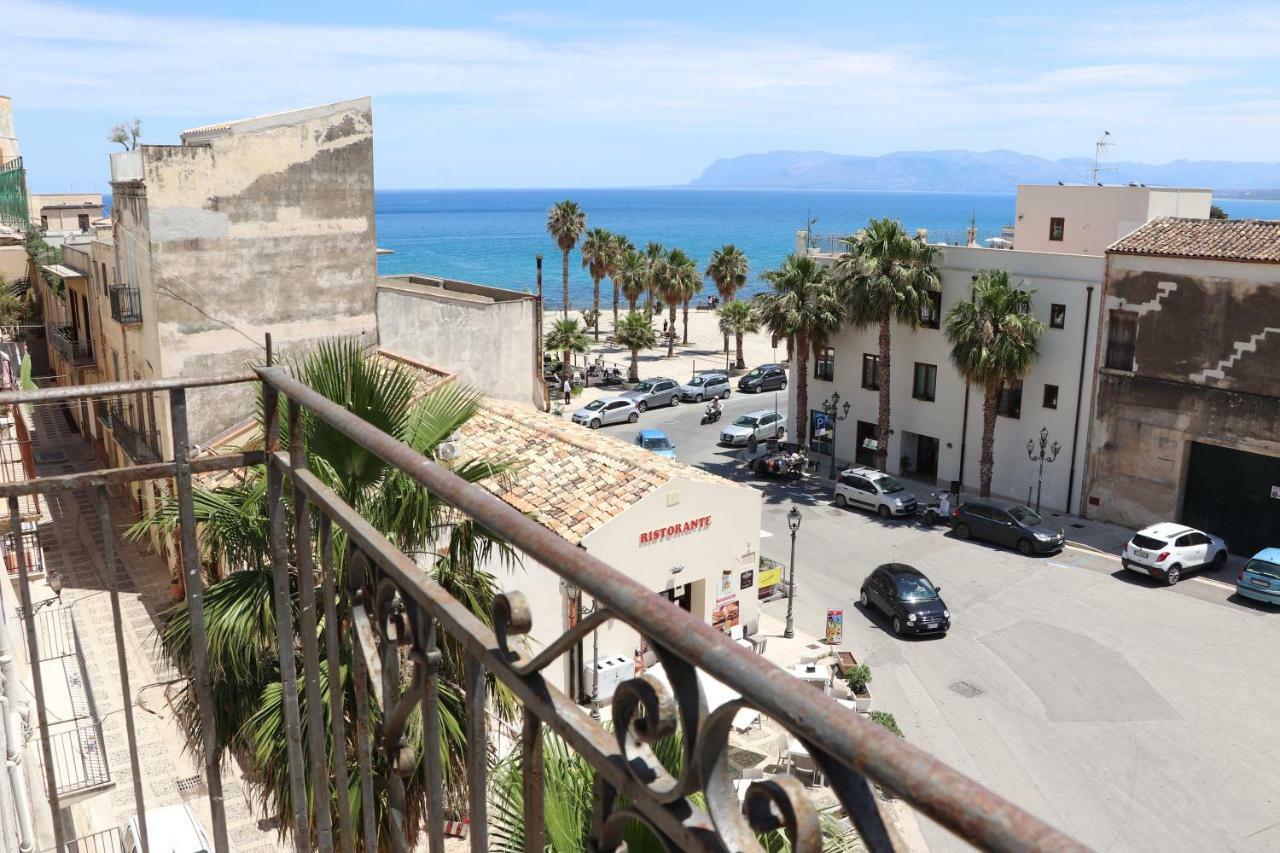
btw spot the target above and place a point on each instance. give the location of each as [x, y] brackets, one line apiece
[1229, 495]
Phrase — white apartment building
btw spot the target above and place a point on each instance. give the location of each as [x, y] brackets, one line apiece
[1084, 219]
[936, 419]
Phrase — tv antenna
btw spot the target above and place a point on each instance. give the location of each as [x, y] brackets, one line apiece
[1100, 149]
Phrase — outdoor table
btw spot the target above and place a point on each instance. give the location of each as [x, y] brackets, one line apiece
[816, 674]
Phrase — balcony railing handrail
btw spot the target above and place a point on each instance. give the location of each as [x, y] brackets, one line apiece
[847, 749]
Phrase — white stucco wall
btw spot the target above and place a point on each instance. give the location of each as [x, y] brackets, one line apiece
[1056, 278]
[1096, 216]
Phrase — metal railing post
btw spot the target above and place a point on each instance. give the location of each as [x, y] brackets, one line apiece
[194, 583]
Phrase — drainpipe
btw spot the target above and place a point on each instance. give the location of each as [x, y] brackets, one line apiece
[537, 367]
[1093, 392]
[9, 704]
[1075, 423]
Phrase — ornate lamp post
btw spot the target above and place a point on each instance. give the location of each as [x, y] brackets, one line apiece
[1047, 453]
[575, 595]
[831, 408]
[793, 521]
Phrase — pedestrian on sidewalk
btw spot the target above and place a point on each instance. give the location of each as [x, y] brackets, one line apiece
[568, 389]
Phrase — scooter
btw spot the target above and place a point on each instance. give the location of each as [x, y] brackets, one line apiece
[937, 508]
[712, 415]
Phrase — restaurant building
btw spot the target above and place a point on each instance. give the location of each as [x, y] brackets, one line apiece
[690, 536]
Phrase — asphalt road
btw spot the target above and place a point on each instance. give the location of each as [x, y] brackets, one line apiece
[1131, 715]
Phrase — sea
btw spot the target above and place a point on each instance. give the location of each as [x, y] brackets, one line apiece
[492, 236]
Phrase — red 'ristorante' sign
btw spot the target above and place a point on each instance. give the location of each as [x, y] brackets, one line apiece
[674, 530]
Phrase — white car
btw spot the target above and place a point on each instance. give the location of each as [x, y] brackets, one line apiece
[764, 424]
[169, 828]
[1166, 551]
[874, 490]
[607, 410]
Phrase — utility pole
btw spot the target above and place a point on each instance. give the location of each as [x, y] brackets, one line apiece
[546, 398]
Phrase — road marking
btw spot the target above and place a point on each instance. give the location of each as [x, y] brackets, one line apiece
[1062, 565]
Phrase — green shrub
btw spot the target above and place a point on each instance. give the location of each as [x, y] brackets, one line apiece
[858, 677]
[887, 720]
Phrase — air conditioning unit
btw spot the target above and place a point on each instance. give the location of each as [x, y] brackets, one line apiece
[449, 449]
[611, 672]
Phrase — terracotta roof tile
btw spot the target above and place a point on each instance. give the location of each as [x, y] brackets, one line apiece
[1217, 239]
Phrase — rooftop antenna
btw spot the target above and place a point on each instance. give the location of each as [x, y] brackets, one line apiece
[1100, 149]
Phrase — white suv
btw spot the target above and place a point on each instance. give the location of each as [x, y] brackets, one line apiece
[1166, 551]
[874, 490]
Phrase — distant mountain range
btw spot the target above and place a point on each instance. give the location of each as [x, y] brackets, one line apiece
[970, 171]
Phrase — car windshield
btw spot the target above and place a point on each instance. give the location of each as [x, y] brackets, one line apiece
[1262, 567]
[697, 380]
[753, 374]
[889, 486]
[1024, 515]
[746, 420]
[643, 386]
[594, 405]
[914, 588]
[656, 443]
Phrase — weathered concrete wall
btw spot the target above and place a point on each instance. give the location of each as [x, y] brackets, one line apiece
[8, 136]
[1207, 369]
[63, 210]
[485, 335]
[265, 225]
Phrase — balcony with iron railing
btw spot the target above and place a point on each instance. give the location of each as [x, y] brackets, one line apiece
[74, 350]
[139, 444]
[126, 304]
[342, 591]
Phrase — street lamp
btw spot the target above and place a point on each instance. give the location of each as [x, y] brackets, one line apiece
[831, 408]
[575, 595]
[793, 521]
[1042, 457]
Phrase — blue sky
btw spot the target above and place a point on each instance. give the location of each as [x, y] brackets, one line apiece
[579, 95]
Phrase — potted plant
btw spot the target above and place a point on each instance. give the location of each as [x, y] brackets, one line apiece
[857, 678]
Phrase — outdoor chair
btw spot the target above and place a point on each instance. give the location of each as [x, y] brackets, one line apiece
[806, 764]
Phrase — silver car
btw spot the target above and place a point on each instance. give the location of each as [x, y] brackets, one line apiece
[764, 424]
[607, 410]
[654, 392]
[704, 386]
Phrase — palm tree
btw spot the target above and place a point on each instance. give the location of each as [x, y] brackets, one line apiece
[682, 283]
[632, 275]
[566, 222]
[621, 247]
[738, 319]
[597, 256]
[239, 616]
[656, 257]
[886, 276]
[728, 269]
[993, 342]
[802, 305]
[635, 332]
[565, 337]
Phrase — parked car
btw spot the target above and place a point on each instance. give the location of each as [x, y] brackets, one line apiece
[1007, 523]
[1260, 577]
[875, 490]
[766, 377]
[910, 600]
[656, 440]
[654, 392]
[173, 829]
[763, 424]
[607, 410]
[704, 386]
[1167, 551]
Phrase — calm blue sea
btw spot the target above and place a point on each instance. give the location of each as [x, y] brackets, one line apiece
[492, 236]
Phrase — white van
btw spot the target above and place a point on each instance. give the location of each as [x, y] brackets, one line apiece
[170, 829]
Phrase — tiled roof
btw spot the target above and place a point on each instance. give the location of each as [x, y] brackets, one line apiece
[1217, 239]
[570, 479]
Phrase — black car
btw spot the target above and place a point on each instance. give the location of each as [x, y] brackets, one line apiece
[1007, 523]
[908, 598]
[766, 377]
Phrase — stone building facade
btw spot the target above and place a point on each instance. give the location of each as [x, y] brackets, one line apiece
[1186, 410]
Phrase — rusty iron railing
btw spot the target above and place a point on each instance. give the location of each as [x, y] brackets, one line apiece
[394, 615]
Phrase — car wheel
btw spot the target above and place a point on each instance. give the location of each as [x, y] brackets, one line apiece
[866, 602]
[642, 406]
[842, 502]
[962, 531]
[595, 423]
[781, 434]
[883, 511]
[674, 400]
[697, 399]
[1024, 547]
[725, 395]
[1173, 575]
[897, 626]
[782, 386]
[1219, 560]
[633, 417]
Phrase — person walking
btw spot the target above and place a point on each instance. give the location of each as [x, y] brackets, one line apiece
[568, 389]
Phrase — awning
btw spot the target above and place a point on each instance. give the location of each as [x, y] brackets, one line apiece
[63, 271]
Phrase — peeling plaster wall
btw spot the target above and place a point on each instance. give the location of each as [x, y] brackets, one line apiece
[1207, 359]
[263, 226]
[488, 343]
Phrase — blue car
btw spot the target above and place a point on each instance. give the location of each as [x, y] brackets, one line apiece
[656, 440]
[1260, 577]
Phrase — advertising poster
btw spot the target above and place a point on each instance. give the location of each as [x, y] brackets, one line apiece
[726, 616]
[724, 588]
[835, 627]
